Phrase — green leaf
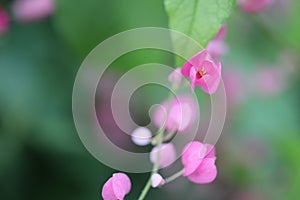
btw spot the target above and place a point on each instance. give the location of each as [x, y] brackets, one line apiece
[198, 19]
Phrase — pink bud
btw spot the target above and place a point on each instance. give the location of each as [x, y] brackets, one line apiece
[157, 180]
[32, 10]
[116, 187]
[141, 136]
[4, 21]
[217, 46]
[167, 155]
[254, 6]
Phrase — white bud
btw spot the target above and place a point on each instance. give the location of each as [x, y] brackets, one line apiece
[157, 180]
[141, 136]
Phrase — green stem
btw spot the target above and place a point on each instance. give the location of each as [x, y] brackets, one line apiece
[174, 176]
[160, 134]
[145, 190]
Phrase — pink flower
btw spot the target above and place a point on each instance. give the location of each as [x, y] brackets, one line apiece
[270, 81]
[203, 72]
[4, 21]
[32, 10]
[182, 114]
[254, 6]
[199, 162]
[116, 187]
[217, 46]
[167, 155]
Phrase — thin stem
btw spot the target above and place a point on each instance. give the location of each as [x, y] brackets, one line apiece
[145, 190]
[160, 134]
[174, 176]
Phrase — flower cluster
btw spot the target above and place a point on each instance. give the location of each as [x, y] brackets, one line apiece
[177, 115]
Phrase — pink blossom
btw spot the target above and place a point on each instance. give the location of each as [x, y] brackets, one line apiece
[167, 155]
[217, 46]
[157, 180]
[236, 86]
[116, 187]
[181, 116]
[199, 162]
[203, 72]
[32, 10]
[175, 77]
[254, 6]
[270, 81]
[4, 21]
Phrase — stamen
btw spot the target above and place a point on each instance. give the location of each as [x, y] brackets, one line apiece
[200, 73]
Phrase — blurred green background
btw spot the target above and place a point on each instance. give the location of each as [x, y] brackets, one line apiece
[41, 155]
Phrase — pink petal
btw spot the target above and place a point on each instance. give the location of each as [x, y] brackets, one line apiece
[193, 73]
[157, 180]
[205, 173]
[210, 82]
[166, 157]
[107, 191]
[199, 58]
[196, 60]
[192, 156]
[121, 185]
[185, 70]
[210, 151]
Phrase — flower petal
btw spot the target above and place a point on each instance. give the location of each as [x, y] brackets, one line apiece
[210, 82]
[191, 157]
[107, 191]
[196, 60]
[121, 185]
[205, 173]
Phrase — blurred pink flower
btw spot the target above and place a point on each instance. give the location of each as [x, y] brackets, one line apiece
[116, 187]
[203, 72]
[270, 81]
[175, 77]
[254, 6]
[4, 21]
[217, 46]
[182, 114]
[199, 162]
[235, 82]
[167, 155]
[32, 10]
[157, 180]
